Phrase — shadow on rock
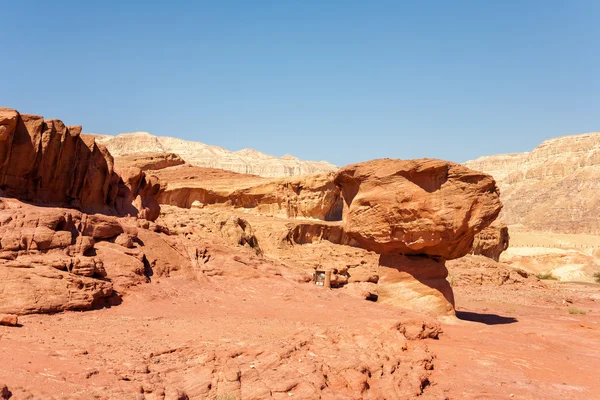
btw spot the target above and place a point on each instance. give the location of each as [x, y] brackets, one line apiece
[107, 302]
[488, 319]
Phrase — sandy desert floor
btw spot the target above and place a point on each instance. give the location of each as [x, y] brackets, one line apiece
[507, 342]
[521, 345]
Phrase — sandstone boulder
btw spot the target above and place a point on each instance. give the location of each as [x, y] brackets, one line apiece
[473, 270]
[491, 241]
[32, 286]
[9, 320]
[415, 207]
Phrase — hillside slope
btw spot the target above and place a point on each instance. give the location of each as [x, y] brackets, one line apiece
[554, 188]
[245, 161]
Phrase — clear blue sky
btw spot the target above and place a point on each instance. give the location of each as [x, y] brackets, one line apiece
[343, 81]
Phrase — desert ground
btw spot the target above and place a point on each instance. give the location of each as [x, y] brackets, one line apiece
[173, 336]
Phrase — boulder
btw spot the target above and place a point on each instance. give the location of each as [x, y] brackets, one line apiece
[36, 287]
[477, 270]
[416, 207]
[9, 320]
[491, 241]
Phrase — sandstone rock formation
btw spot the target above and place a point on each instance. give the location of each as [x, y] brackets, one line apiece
[491, 241]
[553, 188]
[9, 320]
[246, 161]
[148, 161]
[49, 162]
[46, 262]
[417, 207]
[416, 214]
[478, 270]
[55, 259]
[311, 196]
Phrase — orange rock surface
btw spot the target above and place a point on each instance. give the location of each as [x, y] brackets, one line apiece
[49, 162]
[492, 241]
[415, 207]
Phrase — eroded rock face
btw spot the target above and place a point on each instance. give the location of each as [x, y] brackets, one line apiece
[553, 188]
[54, 259]
[148, 161]
[311, 196]
[416, 214]
[491, 241]
[414, 207]
[49, 162]
[477, 270]
[415, 282]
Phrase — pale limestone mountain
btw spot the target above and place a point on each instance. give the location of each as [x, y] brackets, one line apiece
[246, 161]
[554, 188]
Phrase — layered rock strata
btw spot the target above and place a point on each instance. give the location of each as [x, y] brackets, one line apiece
[416, 214]
[553, 188]
[310, 196]
[148, 161]
[246, 161]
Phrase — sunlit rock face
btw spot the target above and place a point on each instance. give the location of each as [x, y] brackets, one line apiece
[45, 161]
[245, 161]
[416, 214]
[553, 188]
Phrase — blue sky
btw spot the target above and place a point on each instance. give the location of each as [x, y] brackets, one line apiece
[343, 81]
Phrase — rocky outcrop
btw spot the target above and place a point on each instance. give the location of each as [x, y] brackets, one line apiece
[137, 194]
[246, 161]
[491, 241]
[416, 214]
[54, 259]
[311, 196]
[553, 188]
[148, 161]
[49, 162]
[477, 270]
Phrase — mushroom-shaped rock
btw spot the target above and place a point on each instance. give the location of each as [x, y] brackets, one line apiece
[416, 214]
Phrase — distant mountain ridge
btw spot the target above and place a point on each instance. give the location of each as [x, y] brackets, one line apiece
[553, 188]
[245, 161]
